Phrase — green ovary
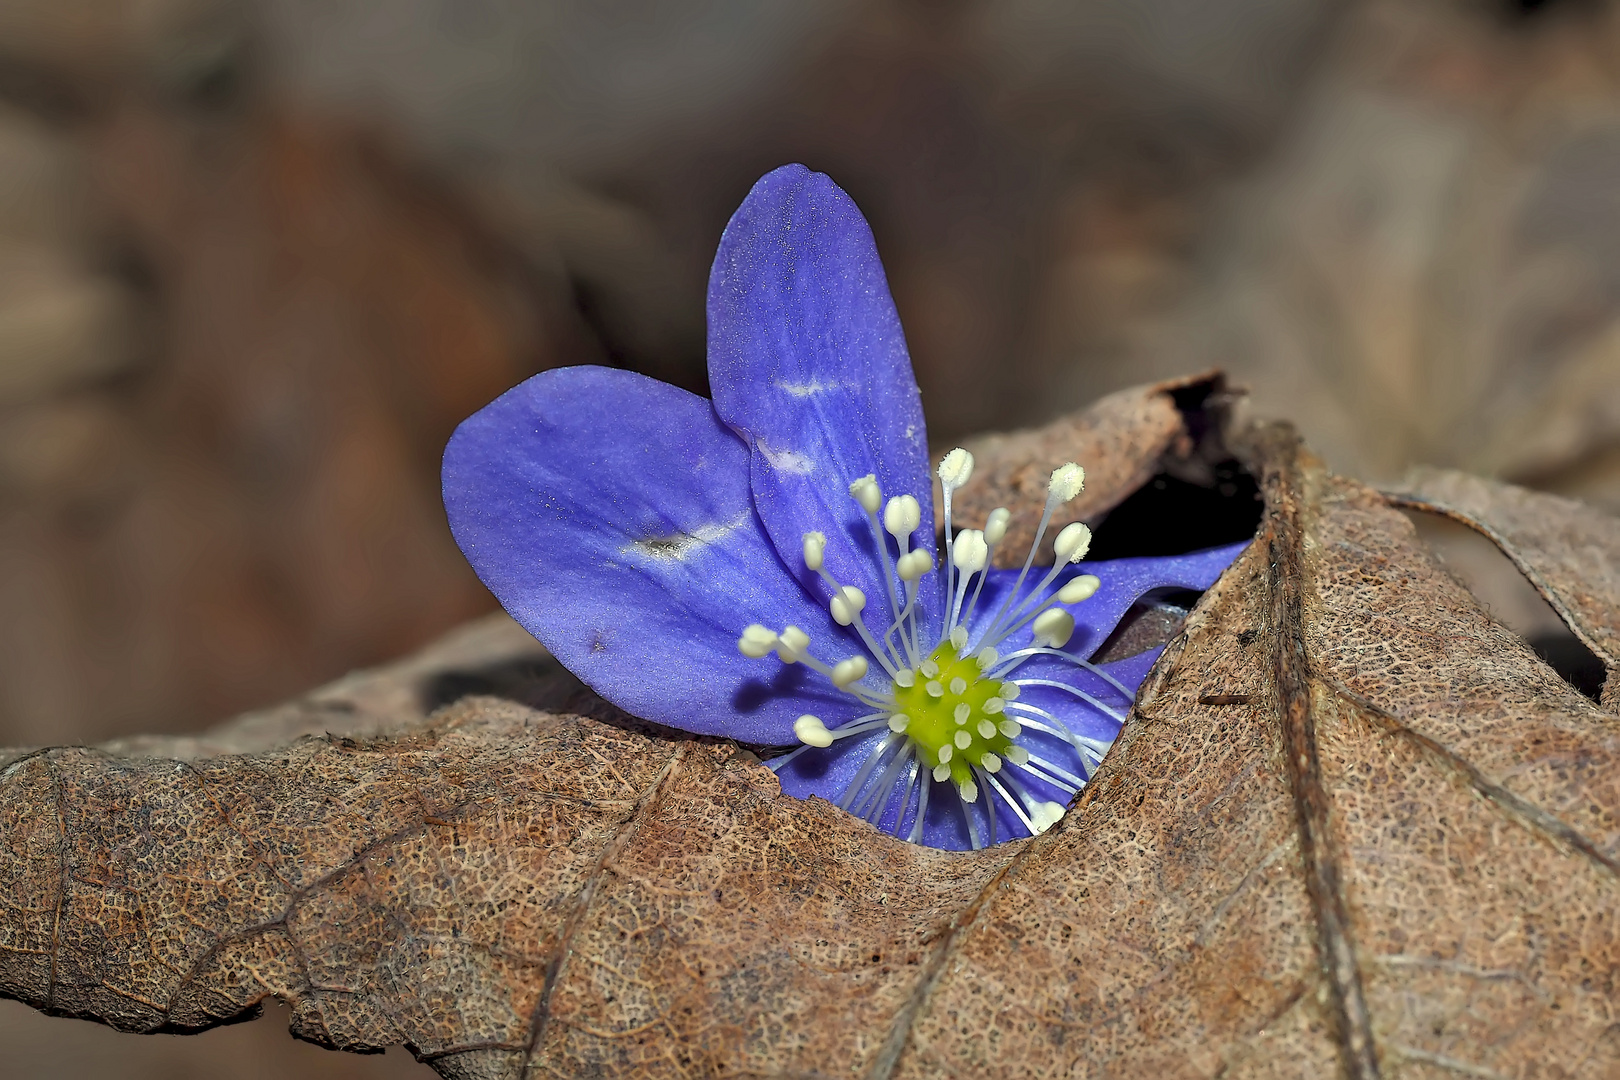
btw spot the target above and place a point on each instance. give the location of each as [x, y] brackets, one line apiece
[931, 722]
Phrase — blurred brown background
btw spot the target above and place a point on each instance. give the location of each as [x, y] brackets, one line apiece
[258, 257]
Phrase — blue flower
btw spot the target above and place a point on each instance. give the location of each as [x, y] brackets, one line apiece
[764, 567]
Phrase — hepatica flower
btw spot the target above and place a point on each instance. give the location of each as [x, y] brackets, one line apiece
[764, 567]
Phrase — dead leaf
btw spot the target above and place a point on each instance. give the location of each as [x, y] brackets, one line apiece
[1353, 827]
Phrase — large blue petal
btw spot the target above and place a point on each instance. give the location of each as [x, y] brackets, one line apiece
[611, 516]
[807, 361]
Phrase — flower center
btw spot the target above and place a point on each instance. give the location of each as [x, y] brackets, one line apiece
[956, 717]
[951, 705]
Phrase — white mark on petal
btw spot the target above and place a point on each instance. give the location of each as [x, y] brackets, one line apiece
[677, 546]
[809, 389]
[787, 461]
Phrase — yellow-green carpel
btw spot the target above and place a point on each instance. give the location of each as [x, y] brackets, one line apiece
[956, 717]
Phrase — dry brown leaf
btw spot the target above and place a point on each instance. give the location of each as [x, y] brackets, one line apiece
[1353, 827]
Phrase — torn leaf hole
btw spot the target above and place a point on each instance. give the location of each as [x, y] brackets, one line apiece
[1172, 515]
[1510, 598]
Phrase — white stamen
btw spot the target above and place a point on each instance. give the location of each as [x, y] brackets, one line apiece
[963, 740]
[942, 773]
[990, 762]
[848, 671]
[791, 645]
[1054, 627]
[970, 552]
[945, 753]
[812, 732]
[1067, 482]
[905, 677]
[987, 658]
[756, 642]
[1010, 728]
[962, 711]
[987, 730]
[1017, 754]
[848, 605]
[995, 526]
[1046, 815]
[929, 668]
[867, 493]
[914, 564]
[968, 790]
[933, 688]
[1072, 542]
[959, 637]
[955, 468]
[1081, 588]
[994, 705]
[815, 548]
[1009, 691]
[959, 685]
[899, 722]
[901, 516]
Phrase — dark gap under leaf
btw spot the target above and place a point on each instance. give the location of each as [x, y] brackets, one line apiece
[1170, 515]
[1510, 598]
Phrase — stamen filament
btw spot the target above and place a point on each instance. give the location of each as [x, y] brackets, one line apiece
[1024, 654]
[1012, 804]
[905, 796]
[865, 773]
[1077, 692]
[1071, 781]
[891, 662]
[922, 811]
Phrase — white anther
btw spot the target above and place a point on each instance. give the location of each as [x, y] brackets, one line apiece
[959, 637]
[902, 515]
[811, 731]
[1046, 815]
[791, 644]
[1017, 754]
[905, 677]
[867, 493]
[1009, 691]
[929, 668]
[962, 711]
[1053, 628]
[1066, 482]
[848, 671]
[899, 722]
[963, 740]
[968, 790]
[933, 688]
[990, 762]
[993, 705]
[1081, 588]
[847, 605]
[970, 552]
[959, 685]
[987, 658]
[987, 730]
[757, 641]
[995, 526]
[815, 547]
[914, 564]
[945, 753]
[942, 773]
[1072, 543]
[1012, 729]
[955, 468]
